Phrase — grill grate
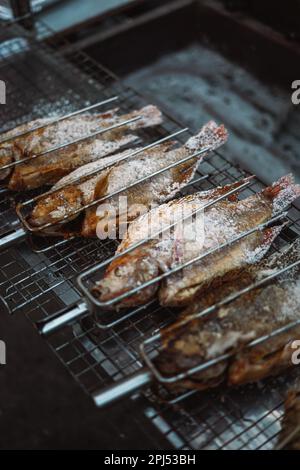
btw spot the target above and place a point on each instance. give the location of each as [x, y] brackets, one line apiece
[41, 281]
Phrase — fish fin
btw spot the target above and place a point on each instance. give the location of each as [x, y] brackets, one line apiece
[222, 190]
[149, 116]
[90, 220]
[268, 236]
[271, 233]
[102, 184]
[283, 192]
[210, 136]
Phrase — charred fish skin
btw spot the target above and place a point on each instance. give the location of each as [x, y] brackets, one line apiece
[55, 207]
[9, 151]
[232, 327]
[71, 197]
[222, 222]
[153, 257]
[159, 189]
[289, 438]
[48, 170]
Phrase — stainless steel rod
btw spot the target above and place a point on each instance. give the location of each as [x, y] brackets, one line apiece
[69, 144]
[99, 266]
[57, 119]
[52, 324]
[12, 238]
[189, 263]
[122, 388]
[109, 165]
[118, 191]
[205, 313]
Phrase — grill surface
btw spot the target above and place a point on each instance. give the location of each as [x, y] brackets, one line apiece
[38, 277]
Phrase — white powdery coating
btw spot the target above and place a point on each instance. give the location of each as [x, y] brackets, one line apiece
[150, 116]
[135, 168]
[159, 218]
[25, 127]
[84, 124]
[98, 164]
[254, 255]
[211, 135]
[160, 188]
[290, 309]
[285, 198]
[144, 165]
[69, 130]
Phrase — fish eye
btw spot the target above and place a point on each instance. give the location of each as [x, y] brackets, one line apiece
[118, 272]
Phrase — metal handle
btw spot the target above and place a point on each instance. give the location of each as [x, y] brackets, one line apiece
[12, 238]
[64, 317]
[123, 388]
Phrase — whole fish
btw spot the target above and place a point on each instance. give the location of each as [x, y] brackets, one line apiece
[219, 223]
[289, 438]
[48, 169]
[73, 196]
[233, 326]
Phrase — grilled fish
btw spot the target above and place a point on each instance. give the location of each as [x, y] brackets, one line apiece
[49, 168]
[64, 202]
[289, 438]
[233, 326]
[219, 223]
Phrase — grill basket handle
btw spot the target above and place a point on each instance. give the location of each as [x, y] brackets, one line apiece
[64, 317]
[12, 238]
[123, 388]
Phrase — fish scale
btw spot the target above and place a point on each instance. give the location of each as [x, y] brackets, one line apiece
[222, 222]
[48, 169]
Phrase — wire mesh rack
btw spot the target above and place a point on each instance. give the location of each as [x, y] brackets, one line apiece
[38, 277]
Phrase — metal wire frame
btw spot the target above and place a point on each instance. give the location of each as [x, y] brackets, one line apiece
[68, 258]
[94, 172]
[205, 313]
[96, 359]
[43, 275]
[41, 85]
[144, 377]
[55, 121]
[114, 355]
[228, 419]
[67, 144]
[246, 418]
[60, 320]
[43, 249]
[174, 270]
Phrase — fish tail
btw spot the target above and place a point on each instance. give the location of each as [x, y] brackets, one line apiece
[282, 193]
[149, 116]
[210, 136]
[270, 234]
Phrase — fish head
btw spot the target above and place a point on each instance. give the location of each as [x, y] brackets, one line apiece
[60, 206]
[126, 273]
